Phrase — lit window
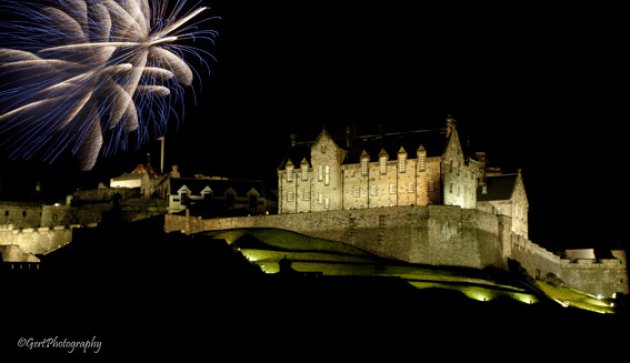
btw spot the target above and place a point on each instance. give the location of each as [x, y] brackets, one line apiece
[307, 195]
[364, 166]
[327, 175]
[402, 163]
[383, 163]
[327, 203]
[320, 198]
[304, 173]
[392, 188]
[411, 187]
[289, 175]
[431, 186]
[356, 192]
[290, 196]
[374, 190]
[422, 163]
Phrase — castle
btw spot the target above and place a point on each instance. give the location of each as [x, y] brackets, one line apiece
[437, 207]
[321, 176]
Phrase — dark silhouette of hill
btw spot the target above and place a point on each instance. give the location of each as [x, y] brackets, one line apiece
[144, 292]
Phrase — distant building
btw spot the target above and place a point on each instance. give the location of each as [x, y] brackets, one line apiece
[393, 169]
[211, 196]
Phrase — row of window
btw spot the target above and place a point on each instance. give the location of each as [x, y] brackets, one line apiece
[324, 171]
[307, 196]
[356, 192]
[7, 213]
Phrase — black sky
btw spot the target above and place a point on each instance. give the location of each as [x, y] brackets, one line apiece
[538, 87]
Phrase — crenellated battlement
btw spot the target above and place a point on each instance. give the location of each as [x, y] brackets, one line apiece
[22, 244]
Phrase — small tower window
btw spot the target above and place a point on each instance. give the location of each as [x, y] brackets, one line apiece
[431, 186]
[383, 163]
[327, 203]
[374, 190]
[364, 167]
[327, 175]
[304, 173]
[422, 163]
[320, 198]
[289, 175]
[450, 166]
[307, 195]
[402, 163]
[290, 196]
[320, 173]
[450, 188]
[365, 160]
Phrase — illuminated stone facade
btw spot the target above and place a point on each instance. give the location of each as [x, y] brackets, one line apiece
[375, 171]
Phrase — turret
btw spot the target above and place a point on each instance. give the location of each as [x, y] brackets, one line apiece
[450, 125]
[365, 162]
[421, 154]
[383, 157]
[402, 160]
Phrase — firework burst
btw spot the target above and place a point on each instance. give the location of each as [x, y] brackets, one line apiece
[88, 75]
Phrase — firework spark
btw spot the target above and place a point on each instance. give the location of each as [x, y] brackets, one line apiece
[86, 75]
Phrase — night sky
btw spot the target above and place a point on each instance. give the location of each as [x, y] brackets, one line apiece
[537, 87]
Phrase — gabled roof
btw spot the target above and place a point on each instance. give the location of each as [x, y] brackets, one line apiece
[499, 187]
[296, 153]
[433, 141]
[218, 186]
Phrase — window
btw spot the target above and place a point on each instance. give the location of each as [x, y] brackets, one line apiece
[364, 166]
[6, 213]
[24, 213]
[356, 192]
[411, 187]
[431, 186]
[450, 166]
[320, 198]
[458, 167]
[450, 187]
[392, 188]
[320, 174]
[290, 196]
[327, 175]
[230, 199]
[253, 201]
[422, 162]
[307, 195]
[304, 173]
[383, 163]
[374, 190]
[402, 163]
[289, 175]
[327, 203]
[458, 190]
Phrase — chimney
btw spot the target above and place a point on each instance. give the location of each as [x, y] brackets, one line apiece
[481, 158]
[450, 124]
[293, 139]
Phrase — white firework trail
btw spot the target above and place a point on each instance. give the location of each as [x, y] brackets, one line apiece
[85, 74]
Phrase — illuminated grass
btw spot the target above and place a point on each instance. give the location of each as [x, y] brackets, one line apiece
[569, 297]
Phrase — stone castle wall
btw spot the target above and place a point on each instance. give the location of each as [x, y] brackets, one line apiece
[20, 245]
[434, 235]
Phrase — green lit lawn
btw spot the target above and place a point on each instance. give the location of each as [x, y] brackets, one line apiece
[266, 247]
